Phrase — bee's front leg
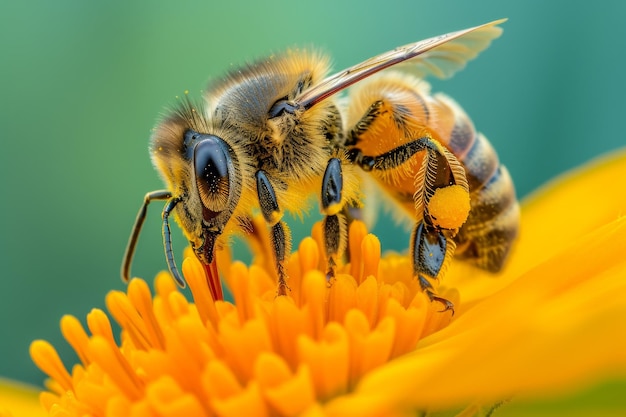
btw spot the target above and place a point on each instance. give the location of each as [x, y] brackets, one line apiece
[280, 235]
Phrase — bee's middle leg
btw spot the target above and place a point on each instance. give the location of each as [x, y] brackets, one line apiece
[280, 235]
[334, 227]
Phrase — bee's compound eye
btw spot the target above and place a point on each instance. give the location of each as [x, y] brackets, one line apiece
[280, 107]
[213, 168]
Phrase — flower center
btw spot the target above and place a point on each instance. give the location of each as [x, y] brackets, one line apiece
[261, 354]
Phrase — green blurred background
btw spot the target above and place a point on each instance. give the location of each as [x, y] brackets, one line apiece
[84, 82]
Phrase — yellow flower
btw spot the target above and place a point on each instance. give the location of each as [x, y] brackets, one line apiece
[18, 400]
[370, 344]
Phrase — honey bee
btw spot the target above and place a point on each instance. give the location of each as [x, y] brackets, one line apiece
[270, 134]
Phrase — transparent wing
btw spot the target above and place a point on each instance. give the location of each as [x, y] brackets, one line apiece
[441, 56]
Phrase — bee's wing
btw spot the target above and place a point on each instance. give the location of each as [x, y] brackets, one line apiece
[441, 56]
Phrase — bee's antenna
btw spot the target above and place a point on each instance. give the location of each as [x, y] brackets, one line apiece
[167, 241]
[134, 236]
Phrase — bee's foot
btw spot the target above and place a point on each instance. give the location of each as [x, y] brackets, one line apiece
[283, 288]
[447, 304]
[330, 277]
[428, 290]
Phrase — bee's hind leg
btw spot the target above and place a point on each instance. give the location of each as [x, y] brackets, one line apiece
[430, 252]
[432, 246]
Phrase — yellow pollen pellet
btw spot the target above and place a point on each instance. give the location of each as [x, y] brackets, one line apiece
[449, 206]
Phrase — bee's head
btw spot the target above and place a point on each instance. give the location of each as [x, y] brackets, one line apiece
[202, 170]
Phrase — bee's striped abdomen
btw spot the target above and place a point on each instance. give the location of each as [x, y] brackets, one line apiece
[493, 222]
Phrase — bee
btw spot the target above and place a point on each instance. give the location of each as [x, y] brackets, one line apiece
[272, 133]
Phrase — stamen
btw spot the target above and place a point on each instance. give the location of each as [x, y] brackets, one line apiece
[47, 359]
[367, 299]
[194, 275]
[141, 299]
[286, 392]
[314, 292]
[76, 336]
[368, 348]
[341, 297]
[356, 234]
[170, 399]
[116, 366]
[127, 316]
[328, 360]
[370, 250]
